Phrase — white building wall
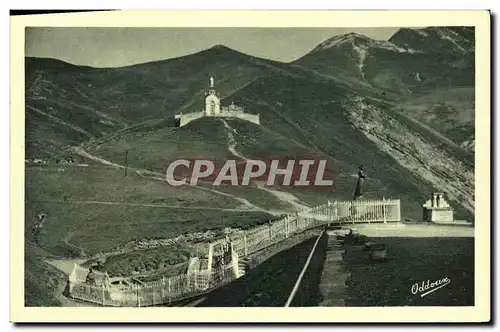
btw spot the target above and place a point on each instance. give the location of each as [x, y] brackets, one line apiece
[212, 105]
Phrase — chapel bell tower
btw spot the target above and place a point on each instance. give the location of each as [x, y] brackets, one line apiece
[212, 101]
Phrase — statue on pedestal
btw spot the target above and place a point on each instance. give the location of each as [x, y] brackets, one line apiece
[359, 186]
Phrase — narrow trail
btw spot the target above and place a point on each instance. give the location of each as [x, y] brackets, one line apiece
[162, 177]
[60, 121]
[231, 140]
[164, 206]
[285, 197]
[66, 240]
[99, 113]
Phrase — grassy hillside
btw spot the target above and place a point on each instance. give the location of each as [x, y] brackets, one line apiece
[94, 209]
[41, 281]
[300, 118]
[428, 74]
[448, 111]
[317, 116]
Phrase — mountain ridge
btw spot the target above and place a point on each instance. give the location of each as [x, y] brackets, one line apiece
[99, 103]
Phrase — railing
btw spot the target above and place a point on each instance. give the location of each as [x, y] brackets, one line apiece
[196, 282]
[366, 211]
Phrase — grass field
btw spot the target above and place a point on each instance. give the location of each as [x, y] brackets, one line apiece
[98, 209]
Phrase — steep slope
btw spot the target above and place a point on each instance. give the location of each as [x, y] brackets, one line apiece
[439, 40]
[67, 105]
[301, 118]
[449, 106]
[414, 152]
[346, 53]
[451, 112]
[322, 116]
[428, 72]
[111, 111]
[412, 61]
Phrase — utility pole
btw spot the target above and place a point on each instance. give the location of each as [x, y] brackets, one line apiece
[126, 162]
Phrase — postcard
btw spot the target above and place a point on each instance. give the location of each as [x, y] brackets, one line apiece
[232, 166]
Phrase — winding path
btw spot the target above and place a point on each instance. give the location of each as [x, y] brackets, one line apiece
[164, 206]
[285, 197]
[161, 177]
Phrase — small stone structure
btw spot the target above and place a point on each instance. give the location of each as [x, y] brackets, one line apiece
[214, 109]
[437, 210]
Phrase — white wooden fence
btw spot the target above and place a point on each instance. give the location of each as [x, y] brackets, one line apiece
[197, 282]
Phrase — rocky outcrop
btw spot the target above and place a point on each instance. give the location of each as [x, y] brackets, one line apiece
[412, 151]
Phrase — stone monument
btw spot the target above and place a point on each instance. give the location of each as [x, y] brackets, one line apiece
[437, 210]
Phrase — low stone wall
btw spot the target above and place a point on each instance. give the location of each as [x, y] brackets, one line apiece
[254, 118]
[184, 119]
[260, 256]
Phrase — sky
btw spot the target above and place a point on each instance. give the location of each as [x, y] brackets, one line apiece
[116, 47]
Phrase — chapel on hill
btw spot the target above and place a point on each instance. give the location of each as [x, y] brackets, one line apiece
[214, 109]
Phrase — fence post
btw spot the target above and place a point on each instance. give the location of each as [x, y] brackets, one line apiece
[245, 242]
[103, 296]
[353, 209]
[330, 211]
[368, 214]
[270, 233]
[162, 288]
[169, 293]
[138, 298]
[383, 209]
[286, 227]
[154, 289]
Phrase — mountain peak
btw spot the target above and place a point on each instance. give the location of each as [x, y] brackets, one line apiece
[459, 40]
[220, 47]
[351, 37]
[358, 42]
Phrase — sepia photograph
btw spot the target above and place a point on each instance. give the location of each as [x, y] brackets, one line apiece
[252, 166]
